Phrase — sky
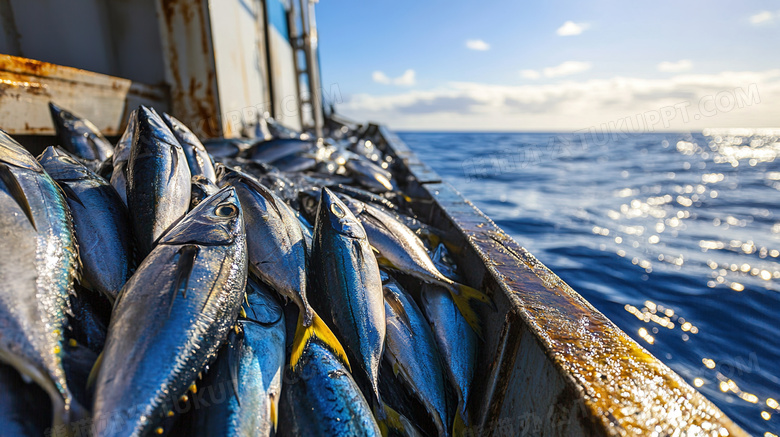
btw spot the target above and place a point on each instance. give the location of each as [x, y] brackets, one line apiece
[508, 65]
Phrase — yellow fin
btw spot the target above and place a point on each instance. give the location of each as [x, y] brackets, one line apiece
[93, 374]
[459, 424]
[318, 329]
[274, 417]
[462, 295]
[395, 421]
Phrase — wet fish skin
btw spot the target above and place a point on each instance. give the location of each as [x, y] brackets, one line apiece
[278, 256]
[200, 189]
[122, 155]
[348, 288]
[457, 342]
[20, 401]
[248, 370]
[79, 136]
[88, 325]
[172, 317]
[412, 351]
[198, 158]
[401, 249]
[158, 180]
[276, 149]
[322, 399]
[38, 265]
[100, 220]
[275, 240]
[370, 175]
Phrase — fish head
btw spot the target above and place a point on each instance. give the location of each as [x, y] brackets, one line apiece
[151, 133]
[63, 118]
[11, 152]
[217, 221]
[335, 216]
[60, 165]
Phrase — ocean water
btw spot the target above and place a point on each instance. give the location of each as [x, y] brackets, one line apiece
[675, 237]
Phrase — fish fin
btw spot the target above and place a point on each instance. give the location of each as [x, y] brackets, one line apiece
[187, 255]
[15, 190]
[460, 422]
[175, 164]
[70, 194]
[398, 308]
[93, 374]
[463, 295]
[274, 414]
[234, 363]
[389, 419]
[319, 330]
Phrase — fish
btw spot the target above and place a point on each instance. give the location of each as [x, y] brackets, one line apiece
[79, 136]
[295, 163]
[171, 319]
[19, 403]
[100, 220]
[220, 148]
[322, 399]
[413, 354]
[370, 175]
[348, 288]
[197, 157]
[38, 266]
[158, 180]
[277, 255]
[276, 149]
[88, 323]
[401, 249]
[201, 188]
[122, 155]
[248, 371]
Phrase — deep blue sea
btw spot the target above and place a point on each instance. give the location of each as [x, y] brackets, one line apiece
[675, 237]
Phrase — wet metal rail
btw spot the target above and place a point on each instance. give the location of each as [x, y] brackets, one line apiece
[551, 364]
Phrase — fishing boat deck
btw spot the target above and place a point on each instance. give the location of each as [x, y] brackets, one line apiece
[551, 363]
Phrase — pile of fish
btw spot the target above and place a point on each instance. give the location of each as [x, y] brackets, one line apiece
[273, 285]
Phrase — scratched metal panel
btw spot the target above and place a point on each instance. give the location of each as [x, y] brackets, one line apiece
[239, 47]
[27, 86]
[190, 70]
[283, 74]
[103, 36]
[552, 364]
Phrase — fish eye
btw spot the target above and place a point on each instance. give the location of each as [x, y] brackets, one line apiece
[335, 209]
[226, 210]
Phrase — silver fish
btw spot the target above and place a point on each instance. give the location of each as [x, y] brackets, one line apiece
[101, 223]
[158, 180]
[401, 249]
[79, 136]
[277, 255]
[412, 351]
[38, 264]
[197, 157]
[171, 318]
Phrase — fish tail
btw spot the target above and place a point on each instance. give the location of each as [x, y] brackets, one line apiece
[463, 295]
[389, 419]
[459, 425]
[316, 330]
[93, 374]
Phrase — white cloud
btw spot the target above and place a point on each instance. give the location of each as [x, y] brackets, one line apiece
[565, 69]
[571, 28]
[572, 105]
[675, 67]
[477, 44]
[762, 17]
[406, 79]
[530, 74]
